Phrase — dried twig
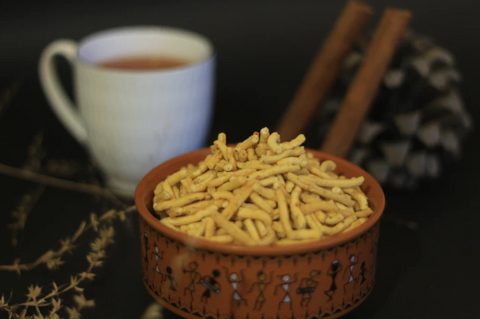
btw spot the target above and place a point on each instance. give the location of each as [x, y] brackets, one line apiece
[95, 259]
[57, 182]
[52, 258]
[20, 214]
[7, 95]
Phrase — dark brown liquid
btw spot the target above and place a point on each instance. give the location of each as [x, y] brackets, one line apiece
[144, 63]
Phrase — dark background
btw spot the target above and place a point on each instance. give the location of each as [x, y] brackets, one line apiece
[428, 266]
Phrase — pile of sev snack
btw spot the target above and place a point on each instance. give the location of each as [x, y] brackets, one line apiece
[261, 192]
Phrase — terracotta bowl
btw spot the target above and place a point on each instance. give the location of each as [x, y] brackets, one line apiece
[210, 280]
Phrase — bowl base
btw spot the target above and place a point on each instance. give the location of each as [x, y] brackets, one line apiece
[337, 313]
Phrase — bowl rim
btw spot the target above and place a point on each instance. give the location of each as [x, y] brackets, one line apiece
[271, 250]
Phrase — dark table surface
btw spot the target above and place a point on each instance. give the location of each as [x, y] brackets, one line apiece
[428, 261]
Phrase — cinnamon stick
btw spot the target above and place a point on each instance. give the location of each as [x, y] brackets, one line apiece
[325, 68]
[364, 87]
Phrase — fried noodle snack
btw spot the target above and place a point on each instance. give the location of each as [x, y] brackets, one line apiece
[261, 192]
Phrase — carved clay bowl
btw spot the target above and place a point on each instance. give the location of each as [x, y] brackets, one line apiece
[324, 279]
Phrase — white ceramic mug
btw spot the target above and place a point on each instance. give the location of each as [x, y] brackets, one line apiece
[131, 121]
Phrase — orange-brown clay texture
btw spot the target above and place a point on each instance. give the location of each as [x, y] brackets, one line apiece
[211, 280]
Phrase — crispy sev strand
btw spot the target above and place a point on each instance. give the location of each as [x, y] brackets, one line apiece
[176, 191]
[211, 190]
[334, 219]
[287, 241]
[345, 183]
[238, 200]
[231, 158]
[265, 192]
[330, 231]
[320, 216]
[303, 172]
[234, 183]
[346, 212]
[289, 186]
[187, 182]
[317, 172]
[158, 189]
[178, 202]
[241, 155]
[214, 182]
[223, 165]
[296, 142]
[167, 223]
[268, 181]
[293, 161]
[254, 164]
[297, 215]
[308, 198]
[217, 156]
[222, 137]
[251, 229]
[262, 230]
[306, 234]
[177, 177]
[207, 176]
[168, 188]
[318, 205]
[221, 231]
[361, 200]
[199, 231]
[283, 210]
[223, 195]
[278, 228]
[223, 149]
[250, 206]
[275, 158]
[249, 142]
[262, 149]
[202, 167]
[328, 166]
[355, 224]
[272, 142]
[251, 154]
[183, 190]
[260, 202]
[308, 185]
[268, 239]
[239, 224]
[312, 223]
[264, 134]
[209, 227]
[232, 229]
[275, 170]
[364, 213]
[241, 172]
[192, 218]
[164, 195]
[225, 239]
[256, 214]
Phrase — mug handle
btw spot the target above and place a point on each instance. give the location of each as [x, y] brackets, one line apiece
[59, 101]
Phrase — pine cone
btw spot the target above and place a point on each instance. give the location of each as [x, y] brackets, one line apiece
[417, 121]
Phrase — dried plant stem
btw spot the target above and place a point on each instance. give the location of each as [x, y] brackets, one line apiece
[57, 182]
[95, 259]
[23, 210]
[51, 257]
[7, 95]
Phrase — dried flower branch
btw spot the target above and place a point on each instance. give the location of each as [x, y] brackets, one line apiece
[20, 214]
[52, 259]
[35, 153]
[7, 95]
[95, 259]
[57, 182]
